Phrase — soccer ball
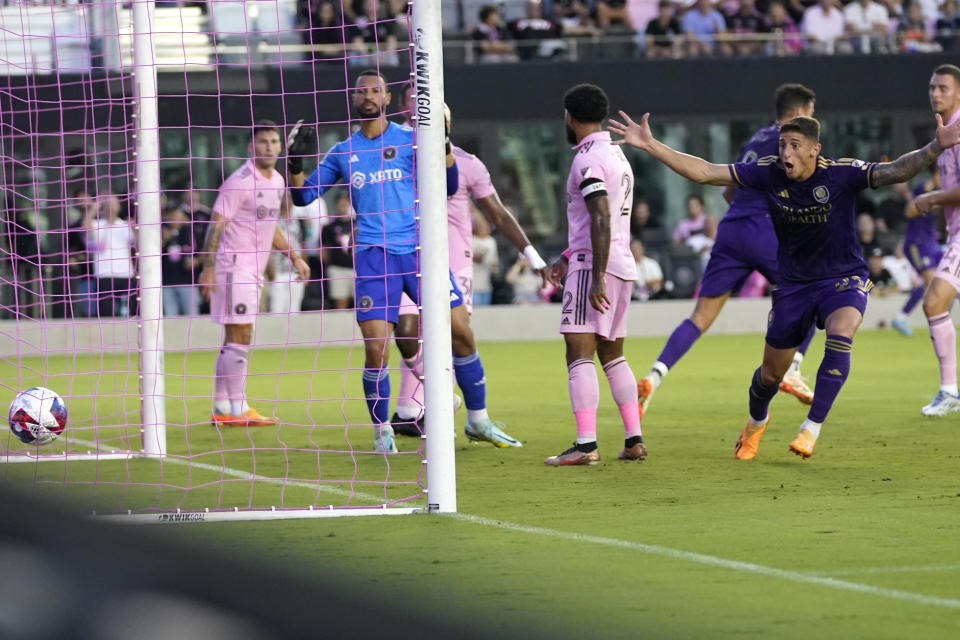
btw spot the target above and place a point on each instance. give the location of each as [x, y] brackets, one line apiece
[37, 416]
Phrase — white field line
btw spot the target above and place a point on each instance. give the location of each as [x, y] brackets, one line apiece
[820, 580]
[906, 569]
[714, 561]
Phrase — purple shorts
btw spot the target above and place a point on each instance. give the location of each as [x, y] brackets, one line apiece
[796, 306]
[743, 245]
[922, 255]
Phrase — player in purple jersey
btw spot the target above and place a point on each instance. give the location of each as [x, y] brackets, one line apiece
[922, 248]
[823, 278]
[745, 243]
[945, 101]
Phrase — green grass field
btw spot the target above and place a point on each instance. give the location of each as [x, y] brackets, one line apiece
[860, 541]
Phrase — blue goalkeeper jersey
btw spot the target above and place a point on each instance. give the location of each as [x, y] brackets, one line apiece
[380, 173]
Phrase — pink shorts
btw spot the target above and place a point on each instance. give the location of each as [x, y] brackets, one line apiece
[949, 267]
[578, 316]
[235, 299]
[464, 280]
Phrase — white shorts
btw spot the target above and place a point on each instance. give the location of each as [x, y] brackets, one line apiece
[235, 299]
[339, 282]
[464, 280]
[949, 267]
[578, 316]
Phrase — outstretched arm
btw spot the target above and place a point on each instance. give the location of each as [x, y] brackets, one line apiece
[504, 221]
[910, 164]
[638, 135]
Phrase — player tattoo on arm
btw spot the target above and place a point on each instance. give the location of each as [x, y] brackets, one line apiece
[213, 240]
[905, 167]
[599, 208]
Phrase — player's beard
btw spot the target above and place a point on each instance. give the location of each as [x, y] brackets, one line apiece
[367, 115]
[571, 136]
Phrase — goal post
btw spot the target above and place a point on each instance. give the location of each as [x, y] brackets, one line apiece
[139, 445]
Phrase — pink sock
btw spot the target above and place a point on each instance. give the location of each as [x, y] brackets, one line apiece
[623, 386]
[944, 338]
[411, 388]
[235, 373]
[584, 398]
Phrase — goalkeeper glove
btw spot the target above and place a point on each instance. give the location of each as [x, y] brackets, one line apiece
[299, 143]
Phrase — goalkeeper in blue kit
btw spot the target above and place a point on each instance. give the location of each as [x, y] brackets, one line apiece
[378, 163]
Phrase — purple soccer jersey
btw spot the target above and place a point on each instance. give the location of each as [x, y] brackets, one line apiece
[815, 219]
[920, 241]
[749, 202]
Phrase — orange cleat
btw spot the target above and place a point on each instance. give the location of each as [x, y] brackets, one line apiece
[749, 440]
[803, 444]
[572, 457]
[645, 390]
[796, 386]
[219, 420]
[252, 418]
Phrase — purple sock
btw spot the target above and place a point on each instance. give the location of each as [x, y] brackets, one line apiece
[679, 343]
[830, 378]
[802, 349]
[916, 295]
[760, 397]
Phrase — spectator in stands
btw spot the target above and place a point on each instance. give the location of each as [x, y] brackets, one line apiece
[613, 12]
[913, 32]
[109, 241]
[79, 285]
[867, 233]
[866, 22]
[537, 36]
[899, 267]
[525, 282]
[745, 22]
[664, 35]
[694, 223]
[890, 214]
[883, 282]
[702, 24]
[824, 27]
[325, 30]
[649, 280]
[285, 289]
[180, 296]
[702, 242]
[491, 38]
[336, 247]
[373, 31]
[486, 259]
[948, 26]
[781, 29]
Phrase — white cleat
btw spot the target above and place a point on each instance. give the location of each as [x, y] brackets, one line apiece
[941, 405]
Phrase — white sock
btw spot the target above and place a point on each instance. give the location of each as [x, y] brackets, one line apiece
[408, 412]
[222, 408]
[238, 408]
[761, 423]
[902, 317]
[477, 415]
[659, 371]
[585, 440]
[812, 427]
[949, 388]
[794, 369]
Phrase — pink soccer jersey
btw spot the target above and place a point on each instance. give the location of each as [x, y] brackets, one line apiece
[474, 181]
[949, 165]
[598, 159]
[251, 203]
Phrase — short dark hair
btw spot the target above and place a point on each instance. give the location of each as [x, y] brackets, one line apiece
[664, 3]
[803, 125]
[372, 72]
[486, 10]
[586, 103]
[792, 96]
[265, 125]
[948, 70]
[694, 196]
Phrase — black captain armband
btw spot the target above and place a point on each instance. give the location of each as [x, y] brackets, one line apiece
[593, 188]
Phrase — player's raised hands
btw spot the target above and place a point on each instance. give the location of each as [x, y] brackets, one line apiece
[947, 135]
[634, 134]
[300, 143]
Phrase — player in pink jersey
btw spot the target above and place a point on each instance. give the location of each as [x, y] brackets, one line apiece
[475, 183]
[598, 271]
[242, 234]
[945, 101]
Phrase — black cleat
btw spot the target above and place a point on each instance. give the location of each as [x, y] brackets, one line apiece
[409, 428]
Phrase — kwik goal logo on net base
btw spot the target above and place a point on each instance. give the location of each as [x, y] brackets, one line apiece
[182, 517]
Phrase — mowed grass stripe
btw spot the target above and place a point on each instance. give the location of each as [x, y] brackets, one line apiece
[714, 561]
